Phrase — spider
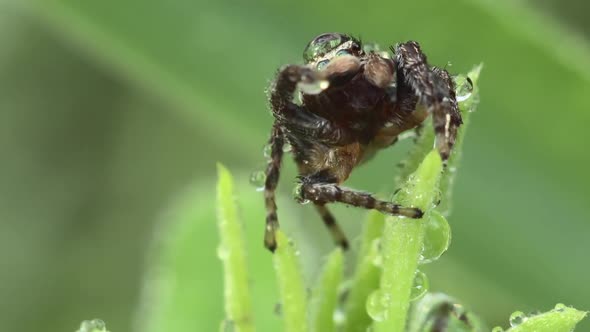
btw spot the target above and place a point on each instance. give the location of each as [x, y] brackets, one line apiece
[354, 101]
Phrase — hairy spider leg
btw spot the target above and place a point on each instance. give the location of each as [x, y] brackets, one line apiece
[322, 193]
[270, 185]
[330, 222]
[434, 89]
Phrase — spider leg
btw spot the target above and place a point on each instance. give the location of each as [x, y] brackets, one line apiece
[330, 222]
[323, 193]
[272, 178]
[434, 89]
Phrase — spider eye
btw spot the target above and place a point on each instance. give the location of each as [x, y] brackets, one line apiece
[322, 64]
[343, 52]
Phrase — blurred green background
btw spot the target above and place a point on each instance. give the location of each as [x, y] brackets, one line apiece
[113, 114]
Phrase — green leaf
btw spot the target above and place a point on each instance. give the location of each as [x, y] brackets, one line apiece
[232, 252]
[402, 243]
[291, 285]
[325, 295]
[560, 319]
[366, 274]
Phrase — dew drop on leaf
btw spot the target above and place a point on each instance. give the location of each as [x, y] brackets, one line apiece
[376, 249]
[560, 307]
[498, 329]
[222, 252]
[339, 317]
[437, 238]
[227, 325]
[517, 318]
[464, 87]
[420, 286]
[257, 179]
[378, 305]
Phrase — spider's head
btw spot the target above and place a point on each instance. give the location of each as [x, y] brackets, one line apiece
[323, 48]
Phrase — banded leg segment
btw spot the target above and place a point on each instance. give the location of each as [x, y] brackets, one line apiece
[434, 89]
[332, 225]
[322, 193]
[276, 142]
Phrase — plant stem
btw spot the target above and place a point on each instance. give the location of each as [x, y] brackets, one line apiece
[366, 275]
[291, 286]
[325, 296]
[232, 253]
[402, 244]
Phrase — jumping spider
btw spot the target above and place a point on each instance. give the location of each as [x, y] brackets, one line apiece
[354, 102]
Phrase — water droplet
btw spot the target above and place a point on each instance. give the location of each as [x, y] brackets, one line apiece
[375, 252]
[560, 307]
[378, 305]
[437, 237]
[420, 286]
[222, 252]
[227, 325]
[371, 47]
[464, 87]
[287, 147]
[517, 318]
[267, 151]
[298, 193]
[314, 88]
[339, 317]
[498, 329]
[257, 179]
[92, 326]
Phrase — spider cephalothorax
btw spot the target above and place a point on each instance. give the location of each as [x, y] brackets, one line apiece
[354, 102]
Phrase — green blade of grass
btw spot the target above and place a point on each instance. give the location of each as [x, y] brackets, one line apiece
[560, 319]
[366, 275]
[325, 296]
[291, 285]
[402, 243]
[466, 107]
[232, 253]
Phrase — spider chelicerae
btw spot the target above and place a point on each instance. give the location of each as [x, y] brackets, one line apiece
[354, 101]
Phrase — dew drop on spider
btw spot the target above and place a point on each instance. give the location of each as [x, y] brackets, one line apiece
[437, 237]
[257, 179]
[287, 147]
[420, 286]
[267, 151]
[314, 88]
